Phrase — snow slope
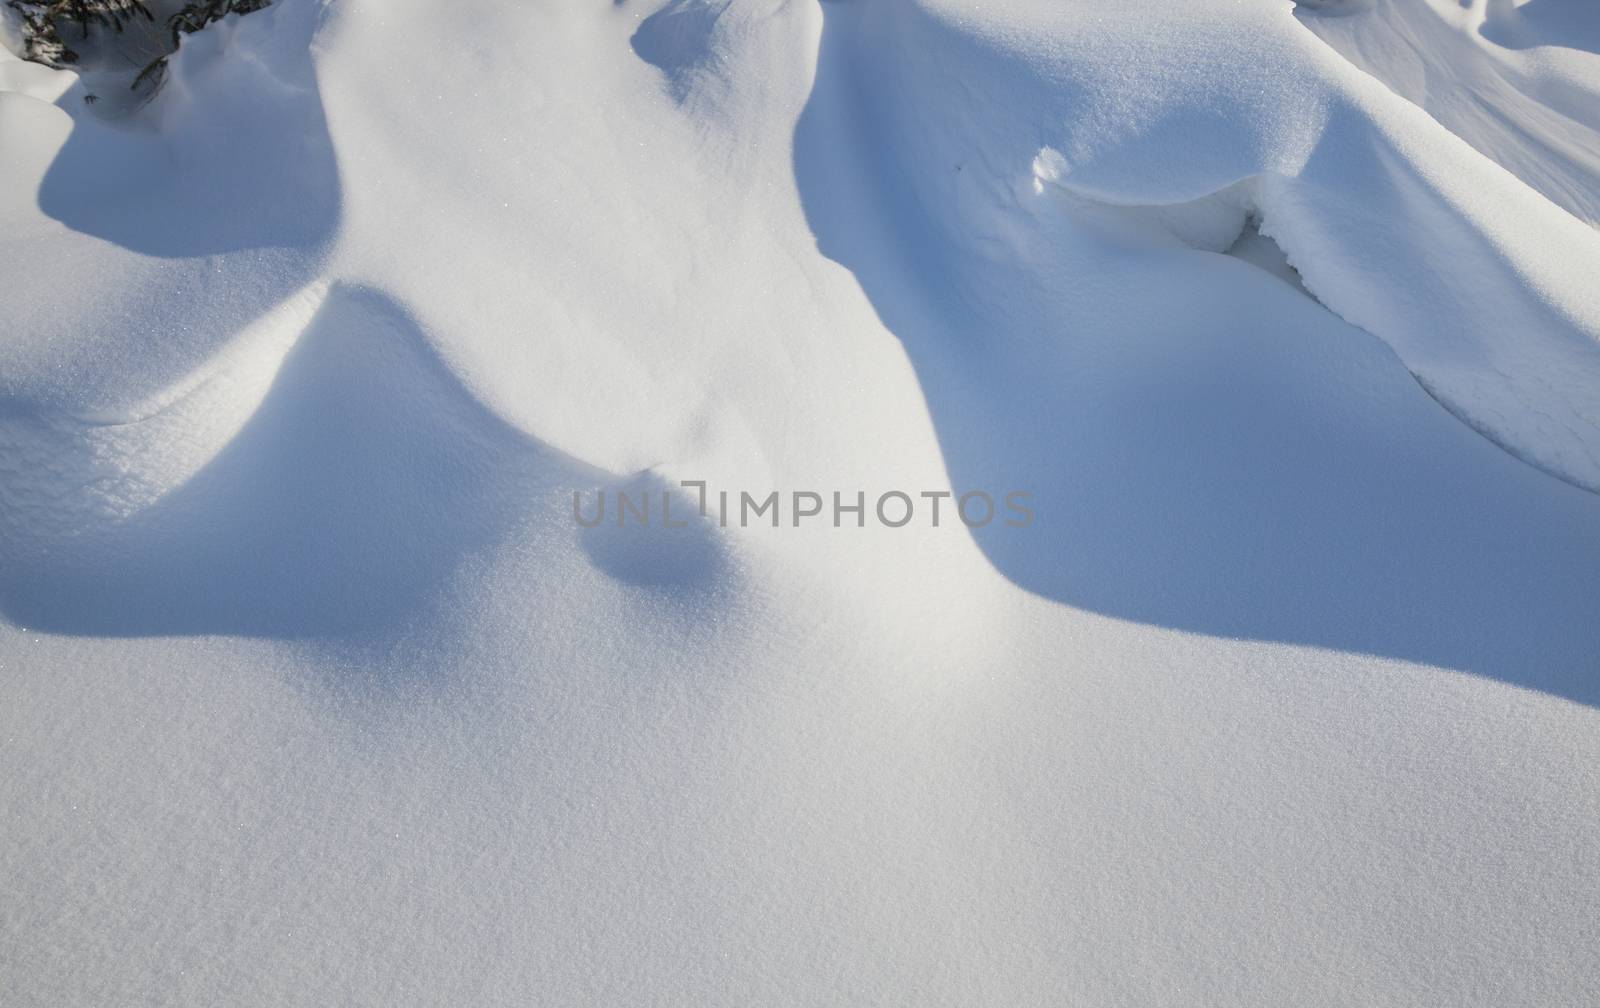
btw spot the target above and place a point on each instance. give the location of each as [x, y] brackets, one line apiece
[1514, 80]
[312, 689]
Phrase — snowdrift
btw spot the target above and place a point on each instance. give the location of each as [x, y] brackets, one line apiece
[313, 689]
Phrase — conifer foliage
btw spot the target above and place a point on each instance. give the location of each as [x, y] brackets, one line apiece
[47, 25]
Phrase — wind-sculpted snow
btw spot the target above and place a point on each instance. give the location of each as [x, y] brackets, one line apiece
[138, 247]
[1516, 81]
[1027, 304]
[332, 671]
[1483, 289]
[678, 39]
[70, 472]
[320, 480]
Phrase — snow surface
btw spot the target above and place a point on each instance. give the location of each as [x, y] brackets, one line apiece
[313, 691]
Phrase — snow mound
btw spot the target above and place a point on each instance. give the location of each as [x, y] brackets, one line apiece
[1480, 286]
[678, 40]
[1519, 82]
[318, 682]
[317, 480]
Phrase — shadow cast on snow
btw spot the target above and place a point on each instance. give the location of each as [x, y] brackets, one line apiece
[1570, 24]
[1212, 481]
[1215, 479]
[366, 476]
[341, 509]
[242, 162]
[362, 480]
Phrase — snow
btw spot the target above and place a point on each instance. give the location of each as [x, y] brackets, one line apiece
[313, 690]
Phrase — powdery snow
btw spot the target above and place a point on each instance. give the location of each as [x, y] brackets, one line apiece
[313, 690]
